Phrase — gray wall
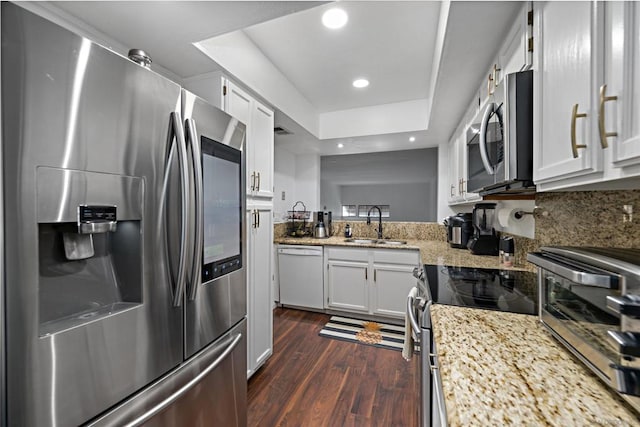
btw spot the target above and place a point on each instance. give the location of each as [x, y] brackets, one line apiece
[404, 180]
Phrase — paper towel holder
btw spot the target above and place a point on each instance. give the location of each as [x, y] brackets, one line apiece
[535, 210]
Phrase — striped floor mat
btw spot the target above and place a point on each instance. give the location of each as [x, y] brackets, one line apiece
[364, 332]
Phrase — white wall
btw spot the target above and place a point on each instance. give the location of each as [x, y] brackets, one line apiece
[308, 180]
[299, 177]
[284, 165]
[376, 120]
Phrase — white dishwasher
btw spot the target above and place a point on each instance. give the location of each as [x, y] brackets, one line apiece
[300, 271]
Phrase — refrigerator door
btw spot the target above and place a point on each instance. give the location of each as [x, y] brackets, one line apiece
[91, 313]
[209, 390]
[215, 299]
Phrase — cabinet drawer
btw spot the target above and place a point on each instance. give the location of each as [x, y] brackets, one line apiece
[396, 256]
[349, 254]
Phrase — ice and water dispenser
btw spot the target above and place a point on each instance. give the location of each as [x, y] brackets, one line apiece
[90, 246]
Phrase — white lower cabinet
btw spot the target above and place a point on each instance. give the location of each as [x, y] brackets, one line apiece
[259, 299]
[348, 285]
[369, 281]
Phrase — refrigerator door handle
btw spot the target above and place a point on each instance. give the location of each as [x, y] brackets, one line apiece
[196, 268]
[185, 388]
[176, 134]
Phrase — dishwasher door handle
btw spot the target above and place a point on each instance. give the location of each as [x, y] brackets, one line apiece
[299, 252]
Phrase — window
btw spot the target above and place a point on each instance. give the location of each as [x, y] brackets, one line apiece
[363, 209]
[348, 211]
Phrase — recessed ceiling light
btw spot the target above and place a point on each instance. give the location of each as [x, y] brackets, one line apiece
[341, 145]
[412, 139]
[360, 83]
[334, 18]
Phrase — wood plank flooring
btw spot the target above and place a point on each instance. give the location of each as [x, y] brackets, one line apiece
[316, 381]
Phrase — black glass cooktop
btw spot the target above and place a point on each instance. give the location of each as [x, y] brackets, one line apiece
[502, 290]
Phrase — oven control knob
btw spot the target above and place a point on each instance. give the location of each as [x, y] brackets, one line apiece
[627, 343]
[627, 305]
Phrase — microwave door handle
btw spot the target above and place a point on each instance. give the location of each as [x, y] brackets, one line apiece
[196, 159]
[484, 154]
[175, 141]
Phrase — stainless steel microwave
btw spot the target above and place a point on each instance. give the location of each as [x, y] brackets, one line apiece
[500, 141]
[590, 301]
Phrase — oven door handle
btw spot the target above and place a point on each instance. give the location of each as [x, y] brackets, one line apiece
[572, 273]
[411, 313]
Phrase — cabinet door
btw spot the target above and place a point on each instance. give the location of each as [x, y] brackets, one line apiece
[622, 76]
[262, 149]
[260, 302]
[454, 183]
[391, 285]
[239, 104]
[348, 287]
[566, 51]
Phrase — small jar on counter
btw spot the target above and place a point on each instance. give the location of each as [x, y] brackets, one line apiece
[507, 251]
[347, 231]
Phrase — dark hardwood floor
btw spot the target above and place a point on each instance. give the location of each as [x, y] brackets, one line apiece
[316, 381]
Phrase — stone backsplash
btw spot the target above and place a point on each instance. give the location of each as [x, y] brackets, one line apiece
[579, 218]
[390, 229]
[588, 218]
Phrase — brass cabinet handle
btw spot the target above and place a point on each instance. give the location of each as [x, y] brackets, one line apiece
[258, 182]
[453, 188]
[574, 146]
[253, 181]
[495, 75]
[603, 133]
[464, 187]
[489, 81]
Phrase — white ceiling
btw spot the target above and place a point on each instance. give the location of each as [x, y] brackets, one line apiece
[166, 30]
[389, 43]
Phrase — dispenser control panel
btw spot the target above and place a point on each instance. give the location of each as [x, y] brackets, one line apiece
[93, 213]
[96, 219]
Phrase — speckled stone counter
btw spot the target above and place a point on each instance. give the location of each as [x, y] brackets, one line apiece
[431, 251]
[505, 369]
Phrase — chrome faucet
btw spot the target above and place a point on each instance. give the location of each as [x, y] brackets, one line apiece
[379, 219]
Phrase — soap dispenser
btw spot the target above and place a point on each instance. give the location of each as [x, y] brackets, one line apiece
[347, 231]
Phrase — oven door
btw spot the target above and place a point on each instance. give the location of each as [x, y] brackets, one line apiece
[432, 407]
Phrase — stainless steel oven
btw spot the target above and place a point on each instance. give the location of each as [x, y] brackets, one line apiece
[590, 301]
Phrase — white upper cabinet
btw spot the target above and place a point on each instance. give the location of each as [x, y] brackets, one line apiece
[216, 89]
[259, 120]
[621, 116]
[261, 150]
[587, 87]
[566, 61]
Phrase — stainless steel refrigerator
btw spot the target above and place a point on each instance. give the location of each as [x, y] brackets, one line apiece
[124, 281]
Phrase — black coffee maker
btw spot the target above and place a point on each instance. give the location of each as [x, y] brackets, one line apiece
[484, 240]
[459, 229]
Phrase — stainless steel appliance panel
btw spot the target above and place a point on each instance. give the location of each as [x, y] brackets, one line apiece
[214, 306]
[211, 390]
[74, 106]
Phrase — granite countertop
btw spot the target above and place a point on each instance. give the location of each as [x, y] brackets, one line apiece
[506, 369]
[431, 251]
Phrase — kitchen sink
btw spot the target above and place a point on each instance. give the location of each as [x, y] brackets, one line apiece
[391, 242]
[377, 242]
[362, 241]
